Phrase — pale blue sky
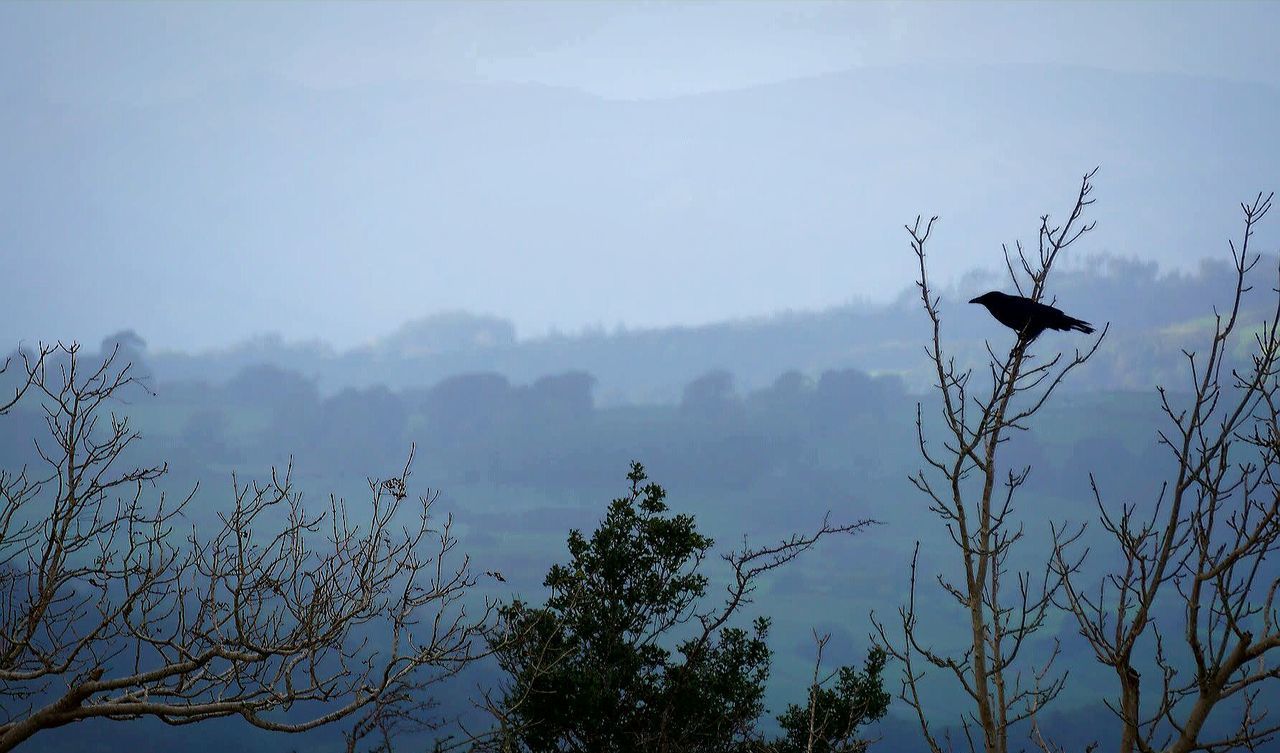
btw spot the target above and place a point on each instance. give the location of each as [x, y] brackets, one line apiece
[204, 172]
[611, 49]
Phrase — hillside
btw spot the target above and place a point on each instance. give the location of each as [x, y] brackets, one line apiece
[1152, 315]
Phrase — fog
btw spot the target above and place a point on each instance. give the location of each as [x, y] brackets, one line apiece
[528, 244]
[206, 173]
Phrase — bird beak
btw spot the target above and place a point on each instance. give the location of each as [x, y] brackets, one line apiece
[973, 300]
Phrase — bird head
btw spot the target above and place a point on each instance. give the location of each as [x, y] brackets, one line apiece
[988, 298]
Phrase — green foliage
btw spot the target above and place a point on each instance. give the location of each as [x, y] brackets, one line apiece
[833, 714]
[593, 670]
[623, 656]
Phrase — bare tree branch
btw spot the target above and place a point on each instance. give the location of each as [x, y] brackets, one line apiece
[974, 499]
[114, 606]
[1203, 547]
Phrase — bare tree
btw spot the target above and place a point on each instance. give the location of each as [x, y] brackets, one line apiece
[116, 606]
[1193, 598]
[973, 496]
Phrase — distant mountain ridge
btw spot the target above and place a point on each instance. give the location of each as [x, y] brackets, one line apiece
[261, 205]
[1152, 317]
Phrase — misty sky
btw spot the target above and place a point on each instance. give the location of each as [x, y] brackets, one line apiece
[203, 173]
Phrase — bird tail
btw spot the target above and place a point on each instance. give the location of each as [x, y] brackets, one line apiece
[1080, 326]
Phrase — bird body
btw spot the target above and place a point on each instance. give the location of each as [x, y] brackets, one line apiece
[1028, 318]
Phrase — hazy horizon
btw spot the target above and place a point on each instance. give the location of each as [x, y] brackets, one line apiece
[206, 173]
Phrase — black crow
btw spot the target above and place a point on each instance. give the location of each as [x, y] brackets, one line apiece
[1028, 318]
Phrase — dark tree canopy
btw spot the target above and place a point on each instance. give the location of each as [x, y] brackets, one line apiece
[829, 722]
[625, 656]
[614, 683]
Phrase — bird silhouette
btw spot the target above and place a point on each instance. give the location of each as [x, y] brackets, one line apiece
[1028, 318]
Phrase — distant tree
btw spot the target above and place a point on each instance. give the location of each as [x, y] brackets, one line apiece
[449, 332]
[559, 398]
[846, 395]
[129, 346]
[271, 386]
[114, 606]
[790, 387]
[355, 428]
[843, 396]
[624, 656]
[468, 406]
[287, 401]
[127, 342]
[710, 396]
[785, 399]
